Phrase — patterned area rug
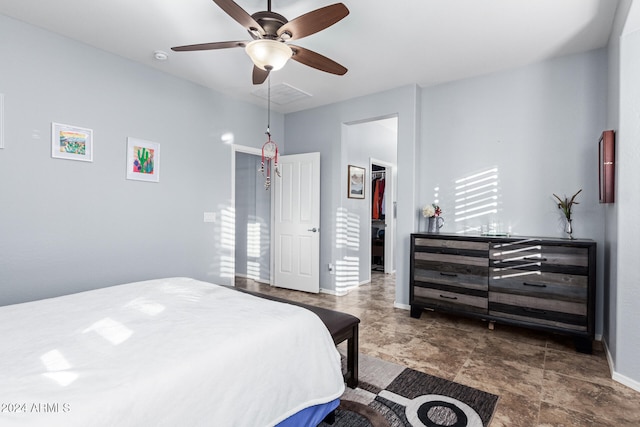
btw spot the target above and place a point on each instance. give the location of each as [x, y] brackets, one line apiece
[391, 395]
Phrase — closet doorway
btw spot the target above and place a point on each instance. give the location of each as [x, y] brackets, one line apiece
[372, 249]
[383, 209]
[252, 207]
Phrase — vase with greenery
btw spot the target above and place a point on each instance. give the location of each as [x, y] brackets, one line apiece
[565, 206]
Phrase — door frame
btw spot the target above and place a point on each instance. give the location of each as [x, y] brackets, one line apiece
[235, 148]
[390, 226]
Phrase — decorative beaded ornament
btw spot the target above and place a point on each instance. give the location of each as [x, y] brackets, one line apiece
[269, 153]
[270, 148]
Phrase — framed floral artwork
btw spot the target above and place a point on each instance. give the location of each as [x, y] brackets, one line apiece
[71, 142]
[356, 182]
[143, 160]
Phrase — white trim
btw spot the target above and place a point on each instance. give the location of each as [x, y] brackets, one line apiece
[401, 306]
[622, 379]
[332, 292]
[390, 246]
[631, 383]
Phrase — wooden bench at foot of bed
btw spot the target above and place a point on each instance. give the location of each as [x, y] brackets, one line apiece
[342, 326]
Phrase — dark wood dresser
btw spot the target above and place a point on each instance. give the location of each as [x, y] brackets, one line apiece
[540, 283]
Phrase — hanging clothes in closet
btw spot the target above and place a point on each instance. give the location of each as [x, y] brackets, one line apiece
[377, 197]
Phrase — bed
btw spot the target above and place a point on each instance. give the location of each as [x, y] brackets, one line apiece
[165, 352]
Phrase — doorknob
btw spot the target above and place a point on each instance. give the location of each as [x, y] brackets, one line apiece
[313, 229]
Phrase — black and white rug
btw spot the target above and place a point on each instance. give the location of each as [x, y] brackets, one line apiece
[392, 395]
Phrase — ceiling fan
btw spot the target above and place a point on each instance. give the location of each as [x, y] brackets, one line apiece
[270, 32]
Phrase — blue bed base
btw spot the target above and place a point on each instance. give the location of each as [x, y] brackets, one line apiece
[311, 416]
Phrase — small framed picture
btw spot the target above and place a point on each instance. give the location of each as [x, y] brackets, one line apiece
[356, 182]
[143, 160]
[71, 142]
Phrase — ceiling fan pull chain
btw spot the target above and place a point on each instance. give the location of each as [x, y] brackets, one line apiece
[269, 105]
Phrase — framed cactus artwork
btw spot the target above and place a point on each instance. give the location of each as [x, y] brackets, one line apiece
[143, 160]
[71, 142]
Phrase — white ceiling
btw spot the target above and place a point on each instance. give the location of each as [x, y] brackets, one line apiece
[384, 44]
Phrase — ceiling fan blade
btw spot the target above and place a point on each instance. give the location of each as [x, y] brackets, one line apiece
[317, 61]
[314, 21]
[240, 15]
[209, 46]
[259, 75]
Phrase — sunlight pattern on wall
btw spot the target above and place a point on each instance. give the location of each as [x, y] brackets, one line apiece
[227, 242]
[476, 200]
[258, 242]
[347, 273]
[347, 269]
[253, 239]
[347, 230]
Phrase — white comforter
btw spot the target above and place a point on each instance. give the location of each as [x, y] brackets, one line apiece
[170, 352]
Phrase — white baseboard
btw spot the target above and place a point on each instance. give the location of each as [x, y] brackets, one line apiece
[626, 381]
[622, 379]
[401, 306]
[332, 292]
[609, 358]
[344, 291]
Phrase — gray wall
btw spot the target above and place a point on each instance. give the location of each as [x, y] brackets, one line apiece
[361, 142]
[320, 129]
[624, 335]
[67, 226]
[536, 129]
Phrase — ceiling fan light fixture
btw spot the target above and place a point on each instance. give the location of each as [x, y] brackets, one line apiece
[268, 55]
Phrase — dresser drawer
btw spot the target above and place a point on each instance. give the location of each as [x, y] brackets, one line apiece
[437, 298]
[452, 258]
[537, 311]
[555, 286]
[539, 283]
[452, 244]
[535, 255]
[451, 277]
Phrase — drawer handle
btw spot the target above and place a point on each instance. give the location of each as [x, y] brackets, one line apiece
[534, 258]
[534, 310]
[447, 297]
[535, 285]
[449, 274]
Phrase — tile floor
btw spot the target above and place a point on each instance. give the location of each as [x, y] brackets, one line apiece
[539, 377]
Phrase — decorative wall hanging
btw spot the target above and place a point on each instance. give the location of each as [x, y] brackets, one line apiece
[356, 182]
[71, 142]
[270, 148]
[607, 168]
[143, 160]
